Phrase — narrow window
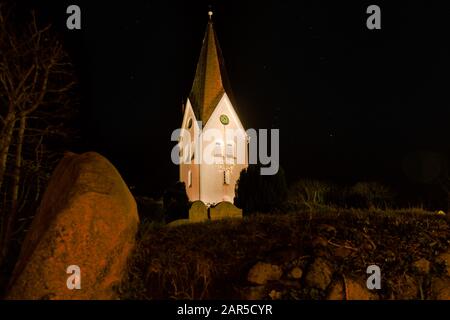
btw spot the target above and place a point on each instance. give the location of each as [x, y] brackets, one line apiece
[230, 150]
[189, 178]
[218, 149]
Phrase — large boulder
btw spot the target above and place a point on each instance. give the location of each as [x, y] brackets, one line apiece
[87, 218]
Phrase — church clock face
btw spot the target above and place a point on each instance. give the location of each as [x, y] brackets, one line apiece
[224, 119]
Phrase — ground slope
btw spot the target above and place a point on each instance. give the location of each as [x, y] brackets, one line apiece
[300, 255]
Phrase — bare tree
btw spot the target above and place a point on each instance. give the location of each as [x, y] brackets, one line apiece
[36, 80]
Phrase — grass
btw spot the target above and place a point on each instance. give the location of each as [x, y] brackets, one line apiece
[211, 260]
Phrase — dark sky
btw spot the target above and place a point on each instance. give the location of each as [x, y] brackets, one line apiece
[351, 103]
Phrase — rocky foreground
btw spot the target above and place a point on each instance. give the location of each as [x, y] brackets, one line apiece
[295, 256]
[86, 242]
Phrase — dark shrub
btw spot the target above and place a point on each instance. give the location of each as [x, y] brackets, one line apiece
[259, 193]
[371, 195]
[150, 209]
[176, 202]
[364, 195]
[307, 191]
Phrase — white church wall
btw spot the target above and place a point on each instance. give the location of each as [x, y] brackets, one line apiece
[190, 172]
[213, 190]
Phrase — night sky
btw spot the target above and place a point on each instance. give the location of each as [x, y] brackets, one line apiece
[351, 104]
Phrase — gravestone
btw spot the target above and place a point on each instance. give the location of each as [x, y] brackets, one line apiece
[198, 212]
[224, 210]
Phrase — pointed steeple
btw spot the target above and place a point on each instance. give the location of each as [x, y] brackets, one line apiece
[210, 82]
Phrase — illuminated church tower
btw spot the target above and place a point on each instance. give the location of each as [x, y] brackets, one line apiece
[209, 118]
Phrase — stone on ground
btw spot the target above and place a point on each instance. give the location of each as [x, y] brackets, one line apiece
[319, 274]
[87, 218]
[198, 212]
[224, 210]
[263, 272]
